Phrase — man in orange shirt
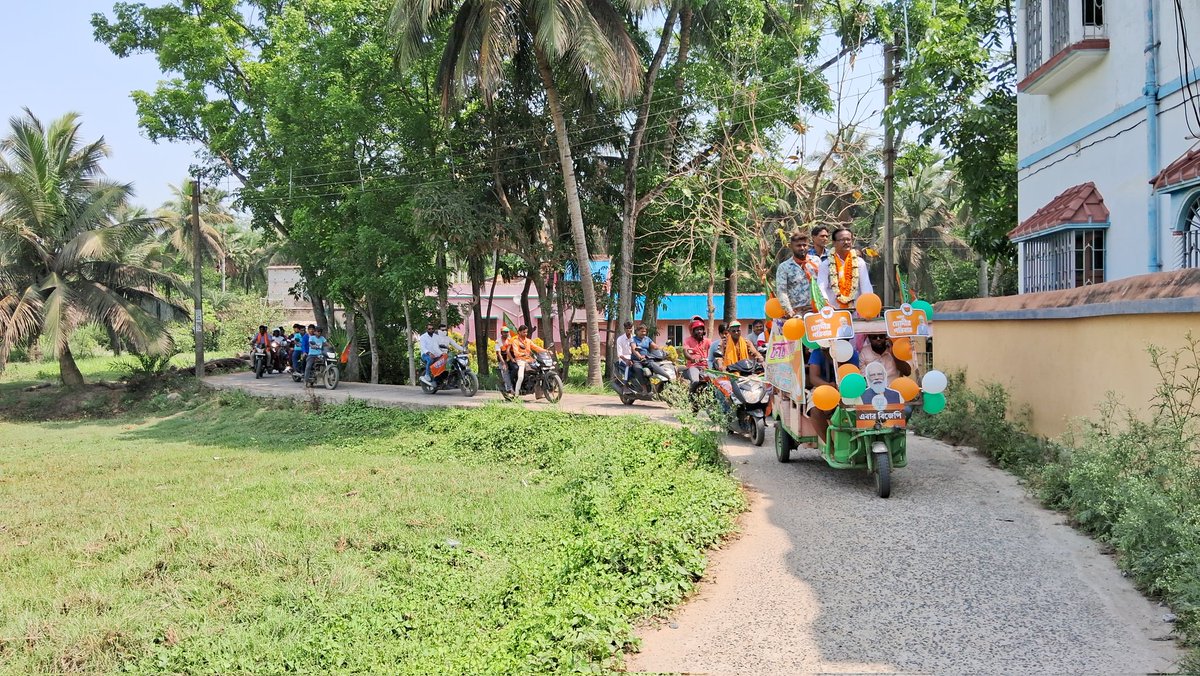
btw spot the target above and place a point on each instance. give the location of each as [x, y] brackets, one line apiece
[521, 347]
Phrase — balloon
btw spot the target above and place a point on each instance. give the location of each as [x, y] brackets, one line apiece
[848, 368]
[809, 344]
[774, 308]
[907, 387]
[934, 403]
[793, 329]
[924, 305]
[902, 349]
[853, 385]
[934, 382]
[842, 350]
[868, 306]
[826, 397]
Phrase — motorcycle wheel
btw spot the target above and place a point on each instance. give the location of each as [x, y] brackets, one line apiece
[332, 376]
[428, 389]
[784, 444]
[883, 474]
[507, 394]
[554, 389]
[758, 434]
[627, 399]
[259, 366]
[469, 384]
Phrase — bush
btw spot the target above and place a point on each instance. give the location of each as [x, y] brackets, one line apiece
[85, 343]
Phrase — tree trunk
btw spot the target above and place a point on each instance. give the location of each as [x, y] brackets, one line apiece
[526, 314]
[372, 340]
[712, 281]
[443, 285]
[731, 282]
[68, 370]
[318, 308]
[476, 272]
[545, 305]
[650, 316]
[681, 57]
[114, 341]
[353, 368]
[330, 316]
[984, 290]
[997, 277]
[564, 332]
[575, 212]
[629, 213]
[408, 343]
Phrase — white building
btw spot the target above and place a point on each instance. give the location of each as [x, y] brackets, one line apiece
[1108, 122]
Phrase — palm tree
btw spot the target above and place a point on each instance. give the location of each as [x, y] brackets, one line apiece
[178, 235]
[65, 258]
[589, 40]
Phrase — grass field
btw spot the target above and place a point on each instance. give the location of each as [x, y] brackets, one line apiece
[248, 535]
[94, 369]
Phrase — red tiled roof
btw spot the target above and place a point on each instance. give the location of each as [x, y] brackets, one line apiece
[1078, 204]
[1185, 168]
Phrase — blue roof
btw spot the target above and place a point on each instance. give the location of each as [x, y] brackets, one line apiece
[684, 306]
[599, 269]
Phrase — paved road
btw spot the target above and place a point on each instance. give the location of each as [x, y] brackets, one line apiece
[958, 573]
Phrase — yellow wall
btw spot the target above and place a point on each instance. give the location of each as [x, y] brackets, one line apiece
[1062, 368]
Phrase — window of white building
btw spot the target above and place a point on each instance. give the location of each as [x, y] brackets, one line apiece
[1190, 234]
[675, 334]
[1064, 260]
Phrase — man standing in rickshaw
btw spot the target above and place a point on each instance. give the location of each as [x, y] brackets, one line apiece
[794, 277]
[843, 276]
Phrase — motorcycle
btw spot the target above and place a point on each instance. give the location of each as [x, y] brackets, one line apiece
[746, 395]
[259, 360]
[651, 385]
[448, 372]
[541, 378]
[280, 349]
[325, 368]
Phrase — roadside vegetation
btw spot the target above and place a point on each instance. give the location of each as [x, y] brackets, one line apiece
[1130, 479]
[199, 532]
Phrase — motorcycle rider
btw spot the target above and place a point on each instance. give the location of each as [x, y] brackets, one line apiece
[431, 348]
[642, 345]
[316, 346]
[735, 348]
[625, 355]
[503, 360]
[695, 348]
[445, 341]
[262, 338]
[299, 345]
[522, 348]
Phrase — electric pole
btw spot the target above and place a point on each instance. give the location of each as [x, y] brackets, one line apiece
[197, 269]
[889, 182]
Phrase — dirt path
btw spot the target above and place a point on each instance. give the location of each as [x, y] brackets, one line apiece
[958, 573]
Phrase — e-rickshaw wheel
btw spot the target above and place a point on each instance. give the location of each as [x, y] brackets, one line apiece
[784, 443]
[883, 472]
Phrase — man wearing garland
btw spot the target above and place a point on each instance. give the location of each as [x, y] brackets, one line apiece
[843, 276]
[794, 277]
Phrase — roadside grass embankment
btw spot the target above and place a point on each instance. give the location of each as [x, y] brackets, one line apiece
[1130, 478]
[200, 532]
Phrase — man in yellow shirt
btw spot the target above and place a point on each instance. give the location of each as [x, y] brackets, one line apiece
[521, 348]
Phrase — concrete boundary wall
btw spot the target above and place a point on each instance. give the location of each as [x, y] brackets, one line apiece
[1061, 352]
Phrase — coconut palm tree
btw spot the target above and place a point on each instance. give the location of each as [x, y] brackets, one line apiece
[178, 234]
[65, 256]
[588, 41]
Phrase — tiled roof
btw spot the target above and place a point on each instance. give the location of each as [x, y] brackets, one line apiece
[1077, 204]
[1183, 169]
[1155, 286]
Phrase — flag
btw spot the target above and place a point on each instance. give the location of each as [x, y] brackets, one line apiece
[507, 321]
[906, 296]
[345, 353]
[814, 290]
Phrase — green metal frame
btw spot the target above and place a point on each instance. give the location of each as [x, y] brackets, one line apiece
[851, 447]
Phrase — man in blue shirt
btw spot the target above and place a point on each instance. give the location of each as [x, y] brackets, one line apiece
[316, 346]
[822, 370]
[299, 345]
[716, 345]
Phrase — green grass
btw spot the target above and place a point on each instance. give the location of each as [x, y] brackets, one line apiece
[250, 535]
[94, 369]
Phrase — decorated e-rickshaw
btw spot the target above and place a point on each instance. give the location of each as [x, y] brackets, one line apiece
[867, 419]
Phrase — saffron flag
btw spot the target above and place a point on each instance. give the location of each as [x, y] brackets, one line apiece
[345, 353]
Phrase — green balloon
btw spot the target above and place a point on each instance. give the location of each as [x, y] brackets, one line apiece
[853, 385]
[934, 403]
[809, 344]
[924, 305]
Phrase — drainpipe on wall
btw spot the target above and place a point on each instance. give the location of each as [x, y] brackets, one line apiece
[1150, 94]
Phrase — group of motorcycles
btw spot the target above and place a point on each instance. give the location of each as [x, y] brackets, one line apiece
[275, 357]
[741, 390]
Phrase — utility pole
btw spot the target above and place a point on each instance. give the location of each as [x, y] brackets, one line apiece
[889, 181]
[197, 269]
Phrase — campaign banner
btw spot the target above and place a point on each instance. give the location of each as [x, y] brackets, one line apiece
[829, 324]
[869, 417]
[906, 322]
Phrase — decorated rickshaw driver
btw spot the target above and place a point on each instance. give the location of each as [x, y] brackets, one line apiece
[794, 277]
[843, 276]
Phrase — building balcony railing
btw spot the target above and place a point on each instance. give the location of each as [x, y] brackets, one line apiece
[1072, 36]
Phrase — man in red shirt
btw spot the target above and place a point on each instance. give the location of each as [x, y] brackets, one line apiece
[695, 348]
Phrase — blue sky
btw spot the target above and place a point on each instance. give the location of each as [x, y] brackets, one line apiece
[53, 66]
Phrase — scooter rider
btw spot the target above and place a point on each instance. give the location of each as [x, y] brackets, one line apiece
[735, 348]
[642, 345]
[695, 348]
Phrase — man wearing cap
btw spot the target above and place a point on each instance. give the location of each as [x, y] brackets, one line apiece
[695, 349]
[794, 277]
[502, 360]
[735, 348]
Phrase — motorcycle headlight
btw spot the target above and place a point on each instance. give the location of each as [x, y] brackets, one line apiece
[752, 391]
[330, 354]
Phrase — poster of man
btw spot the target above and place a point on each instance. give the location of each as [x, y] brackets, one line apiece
[878, 394]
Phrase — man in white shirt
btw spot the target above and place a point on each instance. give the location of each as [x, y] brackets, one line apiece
[446, 341]
[625, 353]
[431, 348]
[838, 272]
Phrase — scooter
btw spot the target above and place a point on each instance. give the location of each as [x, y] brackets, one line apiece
[650, 386]
[447, 372]
[742, 391]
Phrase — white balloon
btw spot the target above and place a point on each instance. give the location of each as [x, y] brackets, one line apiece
[934, 382]
[842, 351]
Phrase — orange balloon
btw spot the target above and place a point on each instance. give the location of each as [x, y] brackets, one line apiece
[774, 308]
[907, 387]
[826, 397]
[868, 306]
[793, 329]
[902, 349]
[847, 368]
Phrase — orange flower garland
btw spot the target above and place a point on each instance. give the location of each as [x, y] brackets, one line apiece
[846, 273]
